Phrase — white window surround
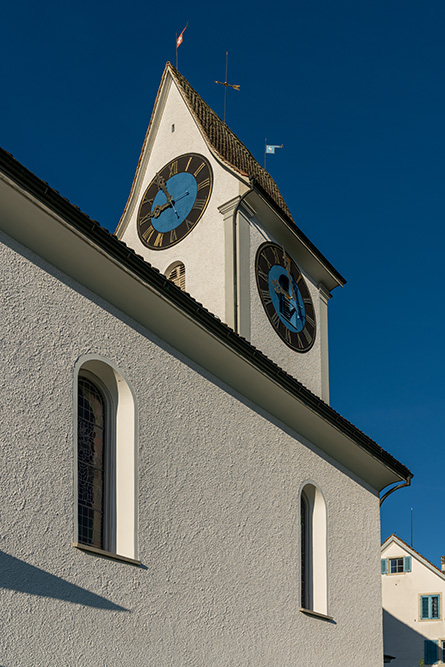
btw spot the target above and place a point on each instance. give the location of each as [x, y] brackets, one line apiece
[315, 574]
[121, 500]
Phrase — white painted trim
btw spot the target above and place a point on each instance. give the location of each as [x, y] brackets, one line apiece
[318, 535]
[124, 536]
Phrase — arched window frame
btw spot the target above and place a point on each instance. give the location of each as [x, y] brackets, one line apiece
[172, 267]
[313, 550]
[120, 497]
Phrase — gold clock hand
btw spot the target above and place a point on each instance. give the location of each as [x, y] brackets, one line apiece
[156, 212]
[286, 261]
[280, 290]
[160, 180]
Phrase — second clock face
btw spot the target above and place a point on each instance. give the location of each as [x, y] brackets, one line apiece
[174, 201]
[285, 297]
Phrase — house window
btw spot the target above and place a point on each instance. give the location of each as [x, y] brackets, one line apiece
[429, 607]
[396, 565]
[434, 652]
[106, 511]
[92, 434]
[313, 550]
[176, 273]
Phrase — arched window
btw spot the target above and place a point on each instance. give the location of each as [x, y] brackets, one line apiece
[313, 546]
[106, 516]
[176, 273]
[92, 435]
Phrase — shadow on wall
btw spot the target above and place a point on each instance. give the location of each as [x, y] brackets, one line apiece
[16, 575]
[401, 641]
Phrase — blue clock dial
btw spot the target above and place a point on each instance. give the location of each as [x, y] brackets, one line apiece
[182, 189]
[285, 297]
[175, 201]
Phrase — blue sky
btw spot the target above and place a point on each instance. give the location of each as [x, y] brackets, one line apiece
[355, 93]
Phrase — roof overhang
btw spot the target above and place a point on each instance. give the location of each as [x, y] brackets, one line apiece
[48, 224]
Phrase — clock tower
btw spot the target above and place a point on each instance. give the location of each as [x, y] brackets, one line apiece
[207, 215]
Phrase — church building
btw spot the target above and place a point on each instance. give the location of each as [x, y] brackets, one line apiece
[175, 487]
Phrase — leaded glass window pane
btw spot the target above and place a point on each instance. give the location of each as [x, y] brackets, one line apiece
[91, 462]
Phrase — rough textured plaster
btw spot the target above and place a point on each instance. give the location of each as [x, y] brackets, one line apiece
[218, 509]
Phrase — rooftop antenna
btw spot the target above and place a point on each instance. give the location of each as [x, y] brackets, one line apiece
[227, 85]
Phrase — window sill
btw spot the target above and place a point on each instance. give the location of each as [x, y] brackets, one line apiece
[106, 554]
[311, 612]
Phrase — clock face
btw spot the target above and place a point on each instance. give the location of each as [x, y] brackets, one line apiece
[174, 201]
[285, 297]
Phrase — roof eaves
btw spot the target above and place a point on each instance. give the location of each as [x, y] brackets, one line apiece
[128, 258]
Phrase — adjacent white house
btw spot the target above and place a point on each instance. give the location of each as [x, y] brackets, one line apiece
[413, 592]
[175, 488]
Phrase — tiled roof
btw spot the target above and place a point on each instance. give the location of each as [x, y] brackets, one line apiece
[133, 262]
[227, 144]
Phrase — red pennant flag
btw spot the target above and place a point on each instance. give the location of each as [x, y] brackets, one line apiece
[180, 38]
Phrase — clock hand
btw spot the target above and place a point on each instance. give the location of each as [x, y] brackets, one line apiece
[160, 180]
[287, 267]
[280, 290]
[156, 212]
[184, 194]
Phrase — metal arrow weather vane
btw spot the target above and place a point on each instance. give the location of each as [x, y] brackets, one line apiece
[227, 85]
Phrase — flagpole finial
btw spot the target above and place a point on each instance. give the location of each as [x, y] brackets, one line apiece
[235, 86]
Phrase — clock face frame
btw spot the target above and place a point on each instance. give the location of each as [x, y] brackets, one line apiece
[175, 201]
[285, 297]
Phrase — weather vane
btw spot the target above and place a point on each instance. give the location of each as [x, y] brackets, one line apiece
[227, 85]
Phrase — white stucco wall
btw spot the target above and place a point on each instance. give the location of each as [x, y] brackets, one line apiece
[404, 631]
[218, 506]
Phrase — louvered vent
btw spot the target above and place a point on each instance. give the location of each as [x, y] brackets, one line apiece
[177, 275]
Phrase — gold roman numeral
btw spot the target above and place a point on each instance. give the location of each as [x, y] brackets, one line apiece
[158, 240]
[263, 275]
[173, 168]
[275, 319]
[266, 296]
[188, 163]
[201, 166]
[287, 336]
[173, 236]
[199, 204]
[310, 320]
[275, 255]
[144, 218]
[204, 184]
[148, 234]
[306, 335]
